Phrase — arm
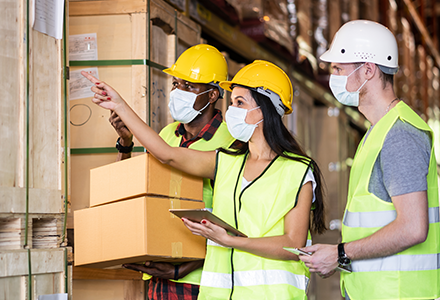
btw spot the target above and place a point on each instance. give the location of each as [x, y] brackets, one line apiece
[165, 270]
[177, 157]
[408, 229]
[126, 137]
[296, 224]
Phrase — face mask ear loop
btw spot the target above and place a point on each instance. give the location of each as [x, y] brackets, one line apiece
[256, 124]
[200, 111]
[362, 86]
[207, 104]
[355, 70]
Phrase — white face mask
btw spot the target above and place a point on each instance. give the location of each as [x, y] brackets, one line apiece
[182, 105]
[338, 85]
[237, 126]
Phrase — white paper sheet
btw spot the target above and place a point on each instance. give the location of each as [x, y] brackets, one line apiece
[48, 17]
[83, 47]
[53, 297]
[79, 86]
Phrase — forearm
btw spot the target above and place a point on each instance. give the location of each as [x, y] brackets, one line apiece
[268, 247]
[389, 240]
[125, 143]
[188, 267]
[177, 157]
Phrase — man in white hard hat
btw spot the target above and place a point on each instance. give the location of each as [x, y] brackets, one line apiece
[391, 229]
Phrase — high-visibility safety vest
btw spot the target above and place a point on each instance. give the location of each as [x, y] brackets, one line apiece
[258, 211]
[410, 274]
[221, 138]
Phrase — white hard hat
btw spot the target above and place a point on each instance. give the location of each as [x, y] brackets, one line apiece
[364, 41]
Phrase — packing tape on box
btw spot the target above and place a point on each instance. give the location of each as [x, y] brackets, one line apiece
[176, 249]
[174, 204]
[175, 183]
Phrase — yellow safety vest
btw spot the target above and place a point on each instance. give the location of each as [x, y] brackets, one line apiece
[221, 138]
[258, 211]
[410, 274]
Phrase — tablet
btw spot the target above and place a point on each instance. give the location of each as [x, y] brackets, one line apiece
[301, 252]
[197, 215]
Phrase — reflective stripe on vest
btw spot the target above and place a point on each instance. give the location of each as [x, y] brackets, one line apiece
[253, 278]
[212, 243]
[422, 262]
[373, 219]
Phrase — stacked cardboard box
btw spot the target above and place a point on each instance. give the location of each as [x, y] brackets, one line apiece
[128, 220]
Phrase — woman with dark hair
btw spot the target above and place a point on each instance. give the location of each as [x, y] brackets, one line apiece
[267, 189]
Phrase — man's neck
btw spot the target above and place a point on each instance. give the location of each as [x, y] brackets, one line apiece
[373, 105]
[193, 128]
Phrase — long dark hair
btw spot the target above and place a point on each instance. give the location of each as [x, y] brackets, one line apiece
[282, 142]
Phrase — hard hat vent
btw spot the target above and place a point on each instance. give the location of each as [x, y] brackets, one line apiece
[365, 55]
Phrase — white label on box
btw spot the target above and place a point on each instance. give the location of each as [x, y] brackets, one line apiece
[48, 17]
[79, 86]
[83, 47]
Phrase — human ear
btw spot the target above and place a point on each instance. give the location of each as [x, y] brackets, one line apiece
[213, 95]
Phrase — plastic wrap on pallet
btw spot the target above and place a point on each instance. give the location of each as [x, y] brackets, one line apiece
[265, 19]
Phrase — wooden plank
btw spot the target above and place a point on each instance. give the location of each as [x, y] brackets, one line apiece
[15, 262]
[159, 85]
[13, 288]
[13, 200]
[45, 101]
[106, 7]
[16, 287]
[104, 274]
[11, 87]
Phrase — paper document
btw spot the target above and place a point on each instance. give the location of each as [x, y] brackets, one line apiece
[79, 86]
[83, 47]
[48, 17]
[53, 297]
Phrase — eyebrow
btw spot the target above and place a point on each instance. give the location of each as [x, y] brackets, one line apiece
[240, 96]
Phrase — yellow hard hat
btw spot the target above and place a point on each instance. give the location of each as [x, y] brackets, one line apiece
[267, 79]
[200, 64]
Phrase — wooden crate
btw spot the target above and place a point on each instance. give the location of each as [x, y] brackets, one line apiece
[50, 273]
[122, 34]
[40, 148]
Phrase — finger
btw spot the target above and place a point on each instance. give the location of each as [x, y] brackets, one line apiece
[90, 77]
[136, 267]
[312, 248]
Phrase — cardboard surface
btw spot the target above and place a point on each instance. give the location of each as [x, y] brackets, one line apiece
[140, 176]
[135, 230]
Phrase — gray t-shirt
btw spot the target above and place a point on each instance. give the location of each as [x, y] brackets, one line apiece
[402, 164]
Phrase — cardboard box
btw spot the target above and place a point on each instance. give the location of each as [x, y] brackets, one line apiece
[141, 176]
[135, 230]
